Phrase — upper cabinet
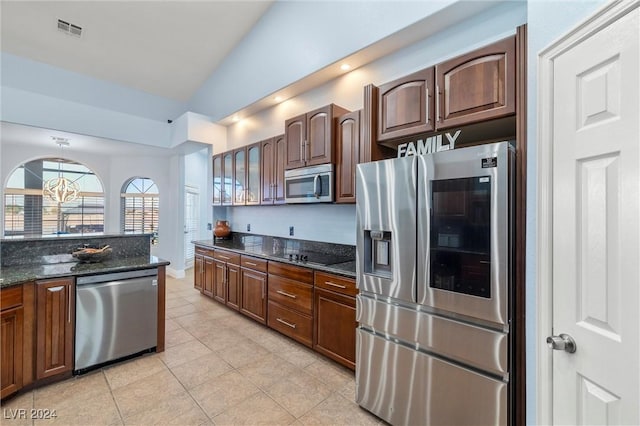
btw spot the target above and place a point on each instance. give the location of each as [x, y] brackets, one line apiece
[227, 178]
[469, 89]
[478, 86]
[405, 106]
[309, 137]
[218, 180]
[347, 156]
[252, 192]
[239, 177]
[272, 170]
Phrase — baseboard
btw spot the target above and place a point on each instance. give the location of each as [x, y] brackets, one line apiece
[175, 273]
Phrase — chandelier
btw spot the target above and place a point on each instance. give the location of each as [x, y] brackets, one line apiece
[60, 189]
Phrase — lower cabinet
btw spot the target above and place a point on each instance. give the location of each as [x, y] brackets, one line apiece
[11, 349]
[203, 275]
[226, 278]
[290, 308]
[55, 316]
[253, 288]
[335, 318]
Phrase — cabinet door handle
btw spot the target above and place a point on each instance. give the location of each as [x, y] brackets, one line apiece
[251, 263]
[438, 117]
[284, 293]
[288, 324]
[69, 308]
[335, 285]
[302, 151]
[426, 105]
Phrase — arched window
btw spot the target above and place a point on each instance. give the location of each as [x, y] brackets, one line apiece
[29, 213]
[140, 203]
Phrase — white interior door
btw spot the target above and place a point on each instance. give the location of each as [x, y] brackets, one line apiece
[595, 268]
[191, 223]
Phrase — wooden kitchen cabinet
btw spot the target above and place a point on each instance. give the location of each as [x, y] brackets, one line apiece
[406, 105]
[253, 175]
[347, 155]
[11, 340]
[203, 278]
[55, 316]
[309, 138]
[198, 272]
[227, 178]
[218, 180]
[226, 267]
[239, 177]
[335, 318]
[477, 86]
[253, 288]
[272, 170]
[290, 301]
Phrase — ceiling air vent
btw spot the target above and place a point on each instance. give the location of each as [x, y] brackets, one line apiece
[69, 29]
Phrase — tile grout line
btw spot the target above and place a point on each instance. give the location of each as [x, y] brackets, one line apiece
[113, 397]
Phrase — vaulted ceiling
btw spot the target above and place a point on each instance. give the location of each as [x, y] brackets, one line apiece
[165, 48]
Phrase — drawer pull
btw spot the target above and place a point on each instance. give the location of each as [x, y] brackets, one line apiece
[335, 285]
[251, 263]
[223, 257]
[288, 324]
[284, 293]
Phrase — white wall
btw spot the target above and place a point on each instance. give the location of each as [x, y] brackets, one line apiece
[547, 22]
[335, 223]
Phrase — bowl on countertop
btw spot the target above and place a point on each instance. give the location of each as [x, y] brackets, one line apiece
[92, 255]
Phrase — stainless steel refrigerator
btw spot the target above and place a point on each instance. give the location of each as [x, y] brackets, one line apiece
[434, 268]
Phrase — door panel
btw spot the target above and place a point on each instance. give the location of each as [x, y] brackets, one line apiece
[386, 227]
[595, 220]
[295, 135]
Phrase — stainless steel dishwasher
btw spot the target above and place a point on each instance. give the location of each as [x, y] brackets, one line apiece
[116, 316]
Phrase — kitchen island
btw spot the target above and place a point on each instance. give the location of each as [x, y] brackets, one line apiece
[38, 279]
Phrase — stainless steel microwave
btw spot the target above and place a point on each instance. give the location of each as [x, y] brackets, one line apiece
[309, 184]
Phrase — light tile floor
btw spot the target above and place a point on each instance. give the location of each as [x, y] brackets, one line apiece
[219, 367]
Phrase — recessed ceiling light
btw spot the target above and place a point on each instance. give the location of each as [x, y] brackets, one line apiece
[235, 118]
[278, 98]
[345, 67]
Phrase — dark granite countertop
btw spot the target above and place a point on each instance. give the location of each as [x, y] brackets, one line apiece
[13, 275]
[328, 257]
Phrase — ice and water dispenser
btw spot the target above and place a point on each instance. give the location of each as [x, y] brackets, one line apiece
[377, 253]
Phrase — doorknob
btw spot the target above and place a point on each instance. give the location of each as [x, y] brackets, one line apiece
[563, 342]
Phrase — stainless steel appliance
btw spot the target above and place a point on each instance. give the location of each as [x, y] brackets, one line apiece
[434, 274]
[309, 184]
[116, 316]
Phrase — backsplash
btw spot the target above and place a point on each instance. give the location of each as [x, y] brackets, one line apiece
[58, 250]
[331, 223]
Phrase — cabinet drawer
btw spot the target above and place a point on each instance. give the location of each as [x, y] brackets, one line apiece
[336, 283]
[204, 251]
[227, 256]
[291, 271]
[11, 297]
[253, 263]
[291, 323]
[292, 294]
